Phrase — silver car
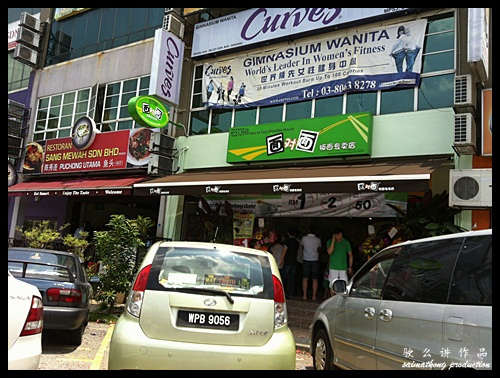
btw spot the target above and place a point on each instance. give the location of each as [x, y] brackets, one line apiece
[422, 304]
[204, 306]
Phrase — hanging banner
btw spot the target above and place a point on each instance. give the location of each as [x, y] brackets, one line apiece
[361, 60]
[316, 204]
[242, 228]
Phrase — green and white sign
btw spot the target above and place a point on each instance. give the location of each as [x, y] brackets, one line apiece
[147, 111]
[340, 135]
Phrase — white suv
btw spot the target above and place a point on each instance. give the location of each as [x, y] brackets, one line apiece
[422, 304]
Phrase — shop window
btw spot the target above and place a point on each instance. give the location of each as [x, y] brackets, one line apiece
[115, 115]
[57, 114]
[436, 92]
[298, 110]
[399, 101]
[18, 73]
[99, 29]
[270, 114]
[328, 106]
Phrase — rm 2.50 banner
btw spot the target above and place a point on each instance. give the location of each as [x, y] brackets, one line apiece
[360, 60]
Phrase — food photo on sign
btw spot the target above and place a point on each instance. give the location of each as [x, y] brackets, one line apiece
[33, 158]
[139, 145]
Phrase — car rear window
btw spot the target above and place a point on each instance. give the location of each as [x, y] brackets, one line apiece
[42, 265]
[230, 271]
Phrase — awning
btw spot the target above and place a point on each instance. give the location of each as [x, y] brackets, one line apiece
[88, 186]
[401, 176]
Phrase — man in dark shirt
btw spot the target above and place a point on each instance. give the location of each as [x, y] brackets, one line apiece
[289, 261]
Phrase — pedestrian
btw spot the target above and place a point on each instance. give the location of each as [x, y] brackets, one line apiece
[340, 252]
[277, 251]
[312, 246]
[78, 232]
[255, 244]
[299, 270]
[289, 261]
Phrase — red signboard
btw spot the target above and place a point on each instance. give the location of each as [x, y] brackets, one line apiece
[112, 150]
[109, 151]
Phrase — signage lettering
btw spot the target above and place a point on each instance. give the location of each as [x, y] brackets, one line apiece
[287, 188]
[375, 187]
[172, 54]
[113, 191]
[260, 23]
[216, 189]
[41, 193]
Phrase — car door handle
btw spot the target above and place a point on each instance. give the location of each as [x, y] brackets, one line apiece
[385, 315]
[369, 313]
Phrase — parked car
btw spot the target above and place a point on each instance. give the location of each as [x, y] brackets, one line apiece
[196, 305]
[63, 284]
[25, 324]
[421, 304]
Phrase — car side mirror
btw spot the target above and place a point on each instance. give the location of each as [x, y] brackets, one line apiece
[339, 286]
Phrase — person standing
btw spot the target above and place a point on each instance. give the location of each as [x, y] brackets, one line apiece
[289, 261]
[310, 267]
[255, 244]
[277, 251]
[340, 252]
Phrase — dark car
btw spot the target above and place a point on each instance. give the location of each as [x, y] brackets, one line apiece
[61, 279]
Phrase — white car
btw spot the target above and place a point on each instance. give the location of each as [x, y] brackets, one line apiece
[25, 325]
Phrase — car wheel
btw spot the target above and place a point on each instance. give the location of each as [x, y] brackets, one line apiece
[322, 353]
[75, 337]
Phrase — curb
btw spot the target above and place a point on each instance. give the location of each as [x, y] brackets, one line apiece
[302, 347]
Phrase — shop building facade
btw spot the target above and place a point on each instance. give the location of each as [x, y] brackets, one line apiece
[312, 116]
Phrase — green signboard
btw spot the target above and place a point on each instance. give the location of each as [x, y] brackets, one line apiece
[340, 135]
[147, 111]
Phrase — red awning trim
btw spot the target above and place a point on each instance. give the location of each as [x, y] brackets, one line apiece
[88, 186]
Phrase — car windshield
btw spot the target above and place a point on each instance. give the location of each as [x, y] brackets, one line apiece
[210, 269]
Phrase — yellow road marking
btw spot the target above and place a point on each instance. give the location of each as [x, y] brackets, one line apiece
[96, 363]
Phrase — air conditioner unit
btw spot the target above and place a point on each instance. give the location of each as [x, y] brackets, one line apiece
[464, 94]
[470, 188]
[160, 165]
[30, 22]
[15, 109]
[26, 55]
[175, 10]
[464, 140]
[28, 38]
[174, 24]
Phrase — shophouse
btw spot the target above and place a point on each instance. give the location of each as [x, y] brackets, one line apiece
[281, 117]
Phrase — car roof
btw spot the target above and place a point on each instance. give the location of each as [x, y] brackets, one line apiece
[464, 234]
[208, 245]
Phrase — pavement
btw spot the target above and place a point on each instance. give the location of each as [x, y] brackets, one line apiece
[301, 336]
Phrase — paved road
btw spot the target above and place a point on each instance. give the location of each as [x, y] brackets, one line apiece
[92, 354]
